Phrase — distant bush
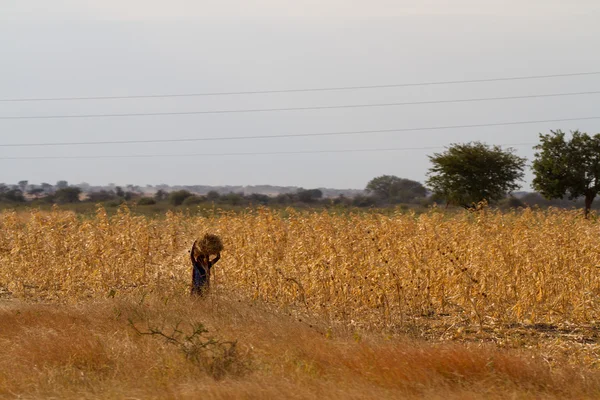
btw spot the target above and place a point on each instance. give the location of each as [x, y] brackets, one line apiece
[102, 195]
[177, 198]
[113, 203]
[213, 195]
[161, 195]
[146, 201]
[67, 195]
[13, 195]
[363, 201]
[513, 202]
[193, 200]
[309, 196]
[235, 199]
[256, 199]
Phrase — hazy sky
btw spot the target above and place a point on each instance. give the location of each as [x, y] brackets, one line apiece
[81, 48]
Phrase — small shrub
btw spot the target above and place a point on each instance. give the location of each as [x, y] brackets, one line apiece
[216, 357]
[146, 201]
[114, 203]
[193, 201]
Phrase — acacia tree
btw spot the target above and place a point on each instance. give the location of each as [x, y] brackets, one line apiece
[568, 167]
[472, 172]
[309, 196]
[67, 195]
[392, 188]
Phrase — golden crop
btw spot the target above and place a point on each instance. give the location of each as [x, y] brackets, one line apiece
[357, 270]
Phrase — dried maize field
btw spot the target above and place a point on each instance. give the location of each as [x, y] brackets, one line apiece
[367, 271]
[523, 280]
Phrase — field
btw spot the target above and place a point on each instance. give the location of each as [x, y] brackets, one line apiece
[310, 304]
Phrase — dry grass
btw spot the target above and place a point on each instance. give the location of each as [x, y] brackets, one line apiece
[90, 351]
[367, 271]
[350, 306]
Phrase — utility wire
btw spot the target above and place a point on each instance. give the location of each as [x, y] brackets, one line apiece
[299, 108]
[239, 154]
[322, 89]
[291, 135]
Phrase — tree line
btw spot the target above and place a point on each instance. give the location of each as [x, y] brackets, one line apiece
[462, 175]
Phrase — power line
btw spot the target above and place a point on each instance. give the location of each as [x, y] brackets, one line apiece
[299, 108]
[322, 89]
[291, 135]
[239, 154]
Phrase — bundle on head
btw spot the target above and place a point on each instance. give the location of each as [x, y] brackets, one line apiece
[207, 245]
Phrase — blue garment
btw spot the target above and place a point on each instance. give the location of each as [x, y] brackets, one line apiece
[201, 272]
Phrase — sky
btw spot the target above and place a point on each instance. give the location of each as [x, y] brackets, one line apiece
[85, 48]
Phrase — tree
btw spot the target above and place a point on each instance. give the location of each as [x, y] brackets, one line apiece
[284, 198]
[257, 198]
[134, 189]
[35, 191]
[102, 195]
[13, 194]
[176, 198]
[309, 196]
[235, 199]
[393, 189]
[213, 195]
[572, 168]
[48, 188]
[472, 172]
[62, 184]
[23, 185]
[160, 195]
[67, 195]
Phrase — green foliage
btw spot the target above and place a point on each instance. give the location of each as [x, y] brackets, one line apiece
[114, 203]
[309, 196]
[146, 201]
[232, 198]
[176, 198]
[161, 195]
[12, 195]
[363, 201]
[564, 167]
[213, 195]
[23, 185]
[100, 196]
[259, 199]
[469, 173]
[35, 191]
[48, 188]
[193, 200]
[125, 195]
[62, 185]
[395, 190]
[67, 195]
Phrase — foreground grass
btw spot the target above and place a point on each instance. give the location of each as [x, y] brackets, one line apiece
[93, 350]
